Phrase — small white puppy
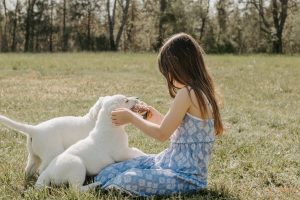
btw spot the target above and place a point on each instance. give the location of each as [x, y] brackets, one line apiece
[50, 138]
[106, 144]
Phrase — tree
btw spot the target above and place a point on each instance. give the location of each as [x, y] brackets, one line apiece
[224, 40]
[29, 26]
[65, 34]
[130, 29]
[274, 27]
[83, 16]
[203, 13]
[15, 25]
[4, 44]
[162, 20]
[223, 26]
[52, 5]
[111, 15]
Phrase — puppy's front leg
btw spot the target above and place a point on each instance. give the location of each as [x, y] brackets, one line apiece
[43, 180]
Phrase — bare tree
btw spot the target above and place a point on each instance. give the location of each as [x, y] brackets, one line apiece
[273, 27]
[200, 9]
[4, 44]
[64, 35]
[15, 25]
[124, 6]
[29, 26]
[52, 4]
[83, 16]
[131, 27]
[203, 15]
[162, 12]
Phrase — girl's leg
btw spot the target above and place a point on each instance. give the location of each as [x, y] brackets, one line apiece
[148, 182]
[113, 170]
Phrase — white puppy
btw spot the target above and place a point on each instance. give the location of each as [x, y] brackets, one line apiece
[105, 145]
[50, 138]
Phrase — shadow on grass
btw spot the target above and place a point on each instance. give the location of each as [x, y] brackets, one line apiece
[215, 192]
[207, 194]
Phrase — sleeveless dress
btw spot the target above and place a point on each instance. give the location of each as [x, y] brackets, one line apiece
[181, 168]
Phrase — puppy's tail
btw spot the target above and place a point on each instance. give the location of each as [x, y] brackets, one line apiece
[24, 128]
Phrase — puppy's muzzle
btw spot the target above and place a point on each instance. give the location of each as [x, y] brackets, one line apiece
[142, 109]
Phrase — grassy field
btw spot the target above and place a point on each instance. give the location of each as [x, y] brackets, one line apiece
[257, 158]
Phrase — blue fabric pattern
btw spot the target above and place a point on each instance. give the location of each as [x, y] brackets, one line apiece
[181, 168]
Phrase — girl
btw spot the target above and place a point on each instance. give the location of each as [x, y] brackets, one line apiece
[191, 123]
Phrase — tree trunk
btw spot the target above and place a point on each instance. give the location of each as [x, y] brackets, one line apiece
[65, 36]
[51, 27]
[160, 37]
[36, 48]
[29, 27]
[89, 30]
[277, 46]
[279, 18]
[15, 25]
[111, 24]
[130, 27]
[203, 19]
[222, 15]
[4, 45]
[123, 22]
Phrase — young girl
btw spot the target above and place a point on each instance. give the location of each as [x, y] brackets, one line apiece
[191, 123]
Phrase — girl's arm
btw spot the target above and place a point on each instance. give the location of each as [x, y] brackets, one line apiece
[169, 123]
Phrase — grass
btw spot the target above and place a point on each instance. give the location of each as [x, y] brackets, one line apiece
[257, 158]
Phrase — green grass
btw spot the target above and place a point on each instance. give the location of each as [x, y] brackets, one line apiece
[257, 158]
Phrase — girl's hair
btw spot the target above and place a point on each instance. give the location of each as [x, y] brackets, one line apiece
[181, 59]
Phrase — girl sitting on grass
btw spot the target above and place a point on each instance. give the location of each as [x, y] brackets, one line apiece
[191, 123]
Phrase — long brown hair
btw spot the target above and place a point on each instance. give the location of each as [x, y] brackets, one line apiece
[181, 59]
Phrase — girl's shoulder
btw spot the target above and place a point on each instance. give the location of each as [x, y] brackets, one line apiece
[183, 91]
[195, 107]
[188, 93]
[184, 95]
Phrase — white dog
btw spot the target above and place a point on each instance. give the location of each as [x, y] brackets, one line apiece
[106, 144]
[50, 138]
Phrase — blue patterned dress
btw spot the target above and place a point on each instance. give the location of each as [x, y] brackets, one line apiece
[181, 168]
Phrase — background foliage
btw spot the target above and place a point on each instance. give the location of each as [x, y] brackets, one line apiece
[221, 26]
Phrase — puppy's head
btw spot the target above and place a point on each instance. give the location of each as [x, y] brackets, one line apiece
[110, 103]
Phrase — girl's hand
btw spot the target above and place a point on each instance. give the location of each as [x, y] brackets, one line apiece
[121, 116]
[155, 116]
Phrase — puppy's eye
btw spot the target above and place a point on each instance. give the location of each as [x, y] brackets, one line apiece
[126, 100]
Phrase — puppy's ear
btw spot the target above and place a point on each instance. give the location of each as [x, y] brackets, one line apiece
[96, 108]
[111, 104]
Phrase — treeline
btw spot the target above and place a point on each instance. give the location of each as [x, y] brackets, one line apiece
[221, 26]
